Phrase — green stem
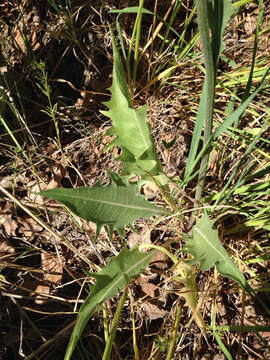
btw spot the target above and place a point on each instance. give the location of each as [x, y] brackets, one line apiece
[134, 32]
[109, 344]
[174, 333]
[138, 38]
[210, 88]
[175, 260]
[106, 323]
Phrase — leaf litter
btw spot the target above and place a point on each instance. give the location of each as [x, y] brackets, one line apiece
[86, 153]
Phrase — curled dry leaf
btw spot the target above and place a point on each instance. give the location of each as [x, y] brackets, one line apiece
[6, 218]
[159, 261]
[53, 184]
[19, 39]
[85, 101]
[20, 42]
[5, 207]
[60, 172]
[7, 182]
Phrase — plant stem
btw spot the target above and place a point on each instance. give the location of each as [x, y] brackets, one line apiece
[137, 42]
[175, 260]
[174, 333]
[106, 323]
[210, 88]
[134, 33]
[109, 344]
[135, 344]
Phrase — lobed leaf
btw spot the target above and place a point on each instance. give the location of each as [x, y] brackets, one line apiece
[115, 206]
[131, 130]
[207, 249]
[109, 282]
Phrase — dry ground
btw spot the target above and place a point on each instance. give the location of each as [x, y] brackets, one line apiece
[78, 58]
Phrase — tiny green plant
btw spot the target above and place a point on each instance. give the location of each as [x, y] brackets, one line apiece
[43, 84]
[120, 203]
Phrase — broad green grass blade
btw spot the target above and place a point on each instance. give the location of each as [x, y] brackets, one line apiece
[109, 282]
[114, 326]
[115, 206]
[196, 133]
[240, 3]
[131, 130]
[138, 27]
[120, 36]
[247, 189]
[212, 17]
[208, 250]
[230, 120]
[219, 13]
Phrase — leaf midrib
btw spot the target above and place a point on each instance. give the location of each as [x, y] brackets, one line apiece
[147, 144]
[106, 202]
[223, 256]
[121, 276]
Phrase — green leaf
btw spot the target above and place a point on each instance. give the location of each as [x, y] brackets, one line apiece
[131, 130]
[213, 17]
[110, 280]
[196, 137]
[219, 13]
[115, 206]
[208, 250]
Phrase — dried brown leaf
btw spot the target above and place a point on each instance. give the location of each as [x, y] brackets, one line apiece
[42, 290]
[6, 247]
[150, 190]
[49, 263]
[53, 184]
[38, 199]
[153, 311]
[29, 227]
[143, 238]
[10, 226]
[19, 40]
[148, 288]
[159, 261]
